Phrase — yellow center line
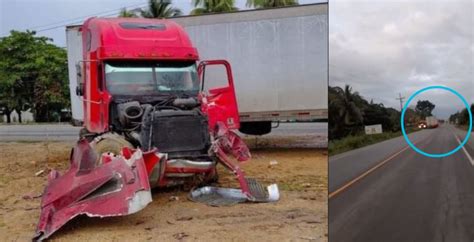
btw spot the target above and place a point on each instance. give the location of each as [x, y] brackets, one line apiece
[350, 183]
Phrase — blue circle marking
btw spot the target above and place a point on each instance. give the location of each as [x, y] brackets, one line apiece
[442, 154]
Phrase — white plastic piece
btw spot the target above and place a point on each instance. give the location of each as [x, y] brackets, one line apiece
[273, 193]
[139, 201]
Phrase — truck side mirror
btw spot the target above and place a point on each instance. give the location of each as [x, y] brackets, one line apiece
[80, 78]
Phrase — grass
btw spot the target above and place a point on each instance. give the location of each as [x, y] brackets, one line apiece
[463, 127]
[358, 141]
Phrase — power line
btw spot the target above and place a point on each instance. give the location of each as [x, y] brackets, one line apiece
[77, 19]
[401, 99]
[76, 22]
[71, 23]
[81, 19]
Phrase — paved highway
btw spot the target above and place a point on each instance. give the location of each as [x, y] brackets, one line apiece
[66, 132]
[39, 132]
[387, 192]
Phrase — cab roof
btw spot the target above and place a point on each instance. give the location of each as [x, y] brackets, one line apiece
[137, 38]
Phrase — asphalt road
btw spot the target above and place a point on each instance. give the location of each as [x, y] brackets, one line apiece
[410, 197]
[66, 132]
[39, 132]
[301, 129]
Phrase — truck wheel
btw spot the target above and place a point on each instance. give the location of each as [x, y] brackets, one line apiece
[109, 142]
[256, 128]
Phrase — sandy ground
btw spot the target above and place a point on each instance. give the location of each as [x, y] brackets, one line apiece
[300, 215]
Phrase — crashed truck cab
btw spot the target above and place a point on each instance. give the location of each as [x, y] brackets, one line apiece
[141, 88]
[148, 105]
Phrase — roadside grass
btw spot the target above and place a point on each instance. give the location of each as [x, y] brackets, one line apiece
[358, 141]
[463, 127]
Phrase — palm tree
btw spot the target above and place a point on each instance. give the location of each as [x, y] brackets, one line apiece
[213, 6]
[353, 100]
[124, 13]
[160, 9]
[270, 3]
[345, 114]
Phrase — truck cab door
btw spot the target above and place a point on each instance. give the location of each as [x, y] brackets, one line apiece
[95, 100]
[218, 93]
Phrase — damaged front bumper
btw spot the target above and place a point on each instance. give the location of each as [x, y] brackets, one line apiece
[118, 187]
[120, 184]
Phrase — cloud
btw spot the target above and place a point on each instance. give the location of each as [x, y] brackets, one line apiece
[382, 49]
[25, 14]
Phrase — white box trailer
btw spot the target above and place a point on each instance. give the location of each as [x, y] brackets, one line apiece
[74, 56]
[279, 59]
[431, 122]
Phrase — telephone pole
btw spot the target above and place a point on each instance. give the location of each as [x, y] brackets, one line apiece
[401, 99]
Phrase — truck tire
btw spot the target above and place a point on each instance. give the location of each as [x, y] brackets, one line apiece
[109, 142]
[256, 128]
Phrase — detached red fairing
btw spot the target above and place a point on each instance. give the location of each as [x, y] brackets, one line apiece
[118, 187]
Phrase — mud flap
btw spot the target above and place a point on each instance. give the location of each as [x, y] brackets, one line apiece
[116, 188]
[229, 143]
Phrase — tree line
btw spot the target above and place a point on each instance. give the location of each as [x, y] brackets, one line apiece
[164, 8]
[461, 117]
[349, 112]
[33, 76]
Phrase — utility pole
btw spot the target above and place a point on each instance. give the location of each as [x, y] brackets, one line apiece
[401, 99]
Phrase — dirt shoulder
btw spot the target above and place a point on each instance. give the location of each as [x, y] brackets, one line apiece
[300, 215]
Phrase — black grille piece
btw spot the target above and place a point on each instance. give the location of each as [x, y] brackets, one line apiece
[178, 131]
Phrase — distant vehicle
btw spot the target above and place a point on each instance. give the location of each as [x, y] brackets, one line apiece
[422, 125]
[431, 122]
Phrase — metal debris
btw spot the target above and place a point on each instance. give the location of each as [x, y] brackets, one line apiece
[217, 196]
[115, 188]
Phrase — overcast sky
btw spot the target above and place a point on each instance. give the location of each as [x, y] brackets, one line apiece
[382, 49]
[39, 14]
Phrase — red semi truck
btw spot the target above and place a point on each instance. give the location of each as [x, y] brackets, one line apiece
[147, 123]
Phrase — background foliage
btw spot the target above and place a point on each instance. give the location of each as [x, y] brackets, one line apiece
[349, 112]
[462, 117]
[33, 74]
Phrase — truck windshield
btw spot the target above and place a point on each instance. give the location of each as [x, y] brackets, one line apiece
[151, 78]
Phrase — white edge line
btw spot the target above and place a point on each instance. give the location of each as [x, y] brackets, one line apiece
[465, 151]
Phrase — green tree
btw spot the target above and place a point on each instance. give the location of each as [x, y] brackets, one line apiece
[462, 117]
[124, 13]
[412, 118]
[345, 113]
[213, 6]
[52, 90]
[424, 108]
[160, 9]
[376, 113]
[33, 74]
[270, 3]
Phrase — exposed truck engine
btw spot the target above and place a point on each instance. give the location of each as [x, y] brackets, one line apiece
[147, 117]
